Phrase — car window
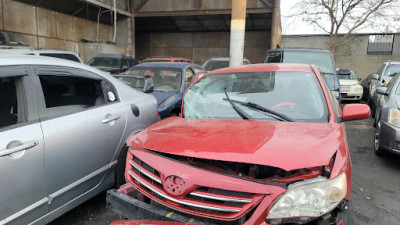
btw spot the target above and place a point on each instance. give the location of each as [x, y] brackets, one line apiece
[390, 85]
[323, 60]
[197, 69]
[273, 57]
[188, 76]
[297, 95]
[380, 70]
[61, 56]
[392, 70]
[104, 62]
[213, 65]
[10, 102]
[246, 62]
[71, 94]
[124, 63]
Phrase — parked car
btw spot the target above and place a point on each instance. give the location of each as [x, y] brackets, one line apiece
[387, 118]
[139, 83]
[170, 82]
[12, 51]
[166, 59]
[256, 144]
[322, 58]
[112, 63]
[63, 129]
[220, 62]
[365, 83]
[350, 89]
[385, 73]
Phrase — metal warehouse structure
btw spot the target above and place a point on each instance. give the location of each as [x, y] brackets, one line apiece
[196, 29]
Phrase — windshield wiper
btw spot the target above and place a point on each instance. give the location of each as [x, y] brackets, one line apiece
[263, 109]
[241, 113]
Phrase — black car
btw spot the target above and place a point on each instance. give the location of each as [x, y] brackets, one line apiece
[170, 81]
[113, 63]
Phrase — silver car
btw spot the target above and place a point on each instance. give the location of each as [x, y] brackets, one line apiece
[63, 127]
[387, 118]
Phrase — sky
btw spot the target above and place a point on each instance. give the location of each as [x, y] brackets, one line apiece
[299, 27]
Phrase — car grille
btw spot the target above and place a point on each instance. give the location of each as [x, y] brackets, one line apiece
[344, 88]
[209, 202]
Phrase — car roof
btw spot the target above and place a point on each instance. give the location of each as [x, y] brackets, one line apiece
[220, 58]
[164, 58]
[19, 50]
[286, 67]
[299, 50]
[44, 61]
[164, 64]
[392, 62]
[112, 55]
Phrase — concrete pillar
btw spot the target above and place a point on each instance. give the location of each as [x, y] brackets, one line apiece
[133, 44]
[238, 25]
[276, 31]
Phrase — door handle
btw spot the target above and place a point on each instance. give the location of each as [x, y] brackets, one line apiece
[112, 118]
[23, 146]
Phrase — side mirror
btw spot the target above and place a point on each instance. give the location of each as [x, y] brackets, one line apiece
[355, 112]
[381, 90]
[124, 68]
[344, 71]
[375, 76]
[148, 86]
[359, 79]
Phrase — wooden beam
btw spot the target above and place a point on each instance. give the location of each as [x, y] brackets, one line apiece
[198, 12]
[140, 6]
[267, 3]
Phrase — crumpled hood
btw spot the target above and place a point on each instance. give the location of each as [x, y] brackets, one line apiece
[348, 82]
[162, 95]
[286, 145]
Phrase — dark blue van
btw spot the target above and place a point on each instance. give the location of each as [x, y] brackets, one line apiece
[321, 58]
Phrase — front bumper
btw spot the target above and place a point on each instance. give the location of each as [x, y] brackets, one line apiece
[125, 202]
[389, 137]
[351, 95]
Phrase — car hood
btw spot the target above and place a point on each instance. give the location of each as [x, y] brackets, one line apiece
[286, 145]
[348, 82]
[162, 95]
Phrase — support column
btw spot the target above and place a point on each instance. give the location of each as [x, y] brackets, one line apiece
[238, 25]
[276, 30]
[133, 34]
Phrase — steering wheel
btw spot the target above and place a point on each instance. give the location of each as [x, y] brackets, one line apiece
[284, 104]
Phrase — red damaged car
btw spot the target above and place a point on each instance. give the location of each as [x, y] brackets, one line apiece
[257, 144]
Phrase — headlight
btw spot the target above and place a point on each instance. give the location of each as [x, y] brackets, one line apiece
[394, 117]
[357, 88]
[306, 200]
[335, 93]
[168, 101]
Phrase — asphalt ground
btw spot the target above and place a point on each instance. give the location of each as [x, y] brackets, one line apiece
[375, 189]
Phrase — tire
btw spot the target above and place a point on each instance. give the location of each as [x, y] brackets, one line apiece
[120, 169]
[4, 39]
[377, 149]
[376, 120]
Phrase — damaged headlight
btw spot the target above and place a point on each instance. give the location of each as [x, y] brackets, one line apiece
[394, 117]
[309, 199]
